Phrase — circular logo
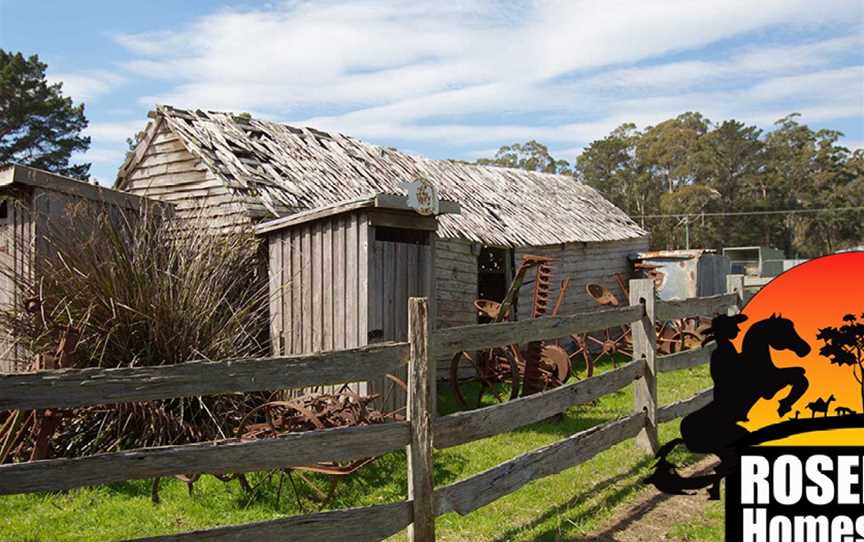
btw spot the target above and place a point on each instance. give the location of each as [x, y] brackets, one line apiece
[823, 302]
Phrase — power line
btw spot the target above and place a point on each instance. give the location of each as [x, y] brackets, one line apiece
[755, 213]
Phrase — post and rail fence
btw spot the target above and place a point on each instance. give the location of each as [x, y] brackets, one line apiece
[420, 434]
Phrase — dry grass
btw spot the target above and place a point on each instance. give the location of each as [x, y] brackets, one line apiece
[138, 291]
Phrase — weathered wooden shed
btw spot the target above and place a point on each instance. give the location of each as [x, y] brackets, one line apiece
[30, 199]
[341, 275]
[238, 170]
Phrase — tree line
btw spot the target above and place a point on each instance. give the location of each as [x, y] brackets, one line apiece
[689, 180]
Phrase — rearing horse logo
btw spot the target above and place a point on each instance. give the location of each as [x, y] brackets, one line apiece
[740, 380]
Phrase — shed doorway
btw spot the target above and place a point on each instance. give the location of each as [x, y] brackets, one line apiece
[494, 274]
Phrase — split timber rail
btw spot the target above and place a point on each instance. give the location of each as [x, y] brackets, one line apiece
[421, 434]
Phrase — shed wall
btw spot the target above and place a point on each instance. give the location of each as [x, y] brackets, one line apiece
[455, 283]
[583, 263]
[16, 258]
[319, 285]
[169, 172]
[33, 215]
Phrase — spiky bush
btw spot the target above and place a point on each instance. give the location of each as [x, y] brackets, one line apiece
[142, 290]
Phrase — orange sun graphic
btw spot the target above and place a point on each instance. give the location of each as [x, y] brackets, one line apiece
[814, 295]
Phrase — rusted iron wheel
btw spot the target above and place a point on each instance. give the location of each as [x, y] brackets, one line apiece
[494, 370]
[581, 360]
[677, 335]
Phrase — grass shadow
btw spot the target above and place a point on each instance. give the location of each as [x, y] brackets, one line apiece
[616, 497]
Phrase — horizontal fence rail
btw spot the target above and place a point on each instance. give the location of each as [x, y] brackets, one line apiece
[291, 449]
[685, 359]
[468, 495]
[69, 388]
[696, 306]
[471, 425]
[352, 525]
[682, 408]
[480, 336]
[421, 433]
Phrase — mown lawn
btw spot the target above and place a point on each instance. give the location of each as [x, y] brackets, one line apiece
[560, 507]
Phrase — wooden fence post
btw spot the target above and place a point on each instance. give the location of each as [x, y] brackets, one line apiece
[645, 347]
[421, 374]
[735, 285]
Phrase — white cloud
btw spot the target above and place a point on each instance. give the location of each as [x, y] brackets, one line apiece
[115, 131]
[483, 72]
[84, 86]
[103, 155]
[843, 80]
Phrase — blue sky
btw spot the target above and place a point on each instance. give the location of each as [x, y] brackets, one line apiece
[450, 79]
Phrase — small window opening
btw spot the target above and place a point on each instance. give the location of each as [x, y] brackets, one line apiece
[401, 235]
[4, 209]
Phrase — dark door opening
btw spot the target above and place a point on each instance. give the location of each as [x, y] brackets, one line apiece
[494, 272]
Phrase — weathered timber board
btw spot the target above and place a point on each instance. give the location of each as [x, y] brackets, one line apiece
[476, 337]
[353, 525]
[470, 494]
[293, 449]
[682, 408]
[685, 359]
[696, 306]
[471, 425]
[69, 388]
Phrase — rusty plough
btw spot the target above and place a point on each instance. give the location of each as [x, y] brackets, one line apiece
[514, 371]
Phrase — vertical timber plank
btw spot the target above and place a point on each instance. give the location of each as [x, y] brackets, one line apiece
[327, 273]
[374, 283]
[645, 347]
[427, 289]
[276, 295]
[338, 284]
[306, 250]
[363, 255]
[401, 287]
[379, 284]
[412, 267]
[287, 280]
[297, 290]
[317, 287]
[351, 273]
[362, 265]
[421, 373]
[388, 303]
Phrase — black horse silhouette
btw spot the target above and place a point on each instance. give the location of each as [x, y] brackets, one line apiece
[740, 380]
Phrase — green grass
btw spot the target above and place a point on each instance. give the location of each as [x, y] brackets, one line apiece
[707, 528]
[564, 506]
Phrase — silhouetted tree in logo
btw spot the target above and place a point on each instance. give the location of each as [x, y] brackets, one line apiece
[844, 345]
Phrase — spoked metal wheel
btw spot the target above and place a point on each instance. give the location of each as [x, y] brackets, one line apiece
[581, 361]
[676, 336]
[595, 350]
[496, 373]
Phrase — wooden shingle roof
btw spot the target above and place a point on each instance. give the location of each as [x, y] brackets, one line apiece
[288, 169]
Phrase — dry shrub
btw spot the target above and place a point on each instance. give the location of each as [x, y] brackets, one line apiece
[142, 290]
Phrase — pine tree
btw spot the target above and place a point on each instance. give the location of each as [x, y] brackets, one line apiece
[39, 127]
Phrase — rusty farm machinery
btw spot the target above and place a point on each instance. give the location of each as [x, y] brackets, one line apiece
[512, 371]
[672, 336]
